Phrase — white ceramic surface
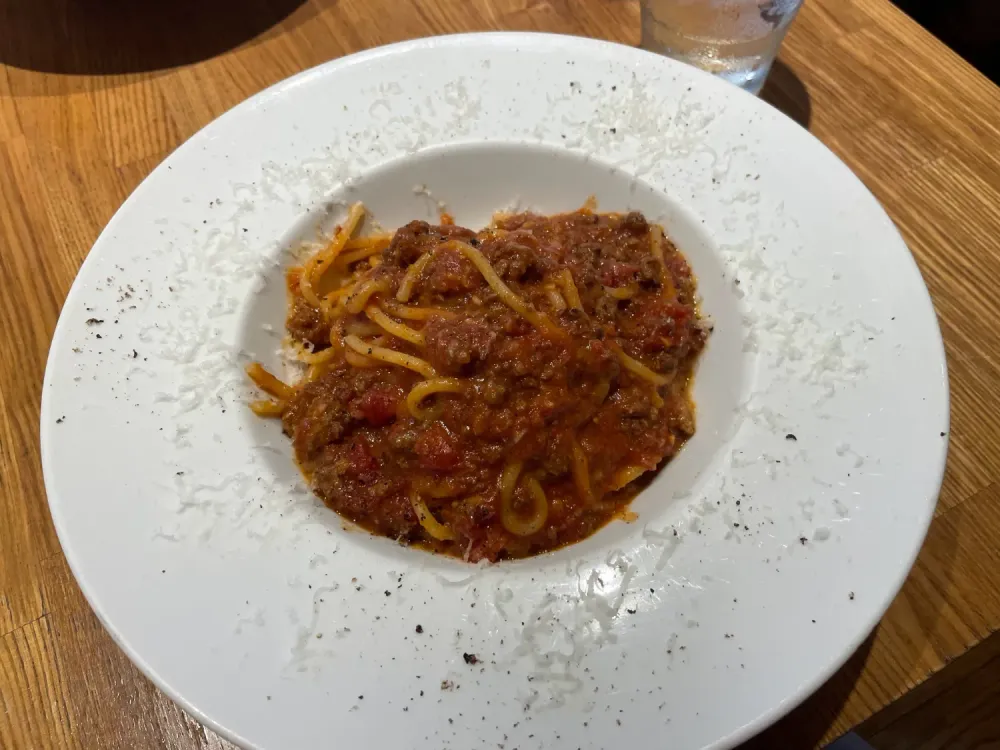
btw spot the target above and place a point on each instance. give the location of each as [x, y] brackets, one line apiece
[759, 561]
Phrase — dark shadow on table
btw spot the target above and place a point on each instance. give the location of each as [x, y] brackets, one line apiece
[806, 725]
[95, 37]
[970, 27]
[784, 90]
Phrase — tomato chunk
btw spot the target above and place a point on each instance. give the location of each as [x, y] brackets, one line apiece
[437, 448]
[377, 406]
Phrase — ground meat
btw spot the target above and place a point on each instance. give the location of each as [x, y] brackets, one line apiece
[651, 321]
[403, 436]
[316, 417]
[555, 460]
[616, 273]
[305, 324]
[449, 272]
[378, 405]
[606, 308]
[633, 403]
[408, 243]
[596, 358]
[681, 276]
[516, 256]
[324, 411]
[456, 345]
[349, 481]
[635, 223]
[472, 516]
[437, 448]
[681, 415]
[493, 391]
[361, 464]
[411, 241]
[584, 260]
[502, 318]
[664, 362]
[489, 423]
[650, 272]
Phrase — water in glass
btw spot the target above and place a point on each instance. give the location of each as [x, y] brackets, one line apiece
[734, 39]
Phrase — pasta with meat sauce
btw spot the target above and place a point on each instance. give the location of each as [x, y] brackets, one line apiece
[491, 394]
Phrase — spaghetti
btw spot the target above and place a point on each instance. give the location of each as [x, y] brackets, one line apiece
[490, 394]
[428, 388]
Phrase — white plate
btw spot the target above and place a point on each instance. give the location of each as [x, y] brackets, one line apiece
[758, 562]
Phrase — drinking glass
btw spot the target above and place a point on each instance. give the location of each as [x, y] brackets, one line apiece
[735, 39]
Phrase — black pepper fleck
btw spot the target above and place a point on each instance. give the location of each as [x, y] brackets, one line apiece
[470, 658]
[420, 628]
[791, 437]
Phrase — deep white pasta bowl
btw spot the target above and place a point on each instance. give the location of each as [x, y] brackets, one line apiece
[762, 555]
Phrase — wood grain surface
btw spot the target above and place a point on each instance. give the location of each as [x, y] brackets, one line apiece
[93, 94]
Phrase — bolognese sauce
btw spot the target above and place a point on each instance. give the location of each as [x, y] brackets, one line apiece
[490, 394]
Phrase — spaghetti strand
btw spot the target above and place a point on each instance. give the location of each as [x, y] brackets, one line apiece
[317, 265]
[572, 294]
[427, 388]
[639, 369]
[268, 382]
[407, 312]
[514, 522]
[390, 356]
[411, 276]
[431, 525]
[503, 291]
[581, 472]
[626, 476]
[266, 408]
[398, 330]
[355, 302]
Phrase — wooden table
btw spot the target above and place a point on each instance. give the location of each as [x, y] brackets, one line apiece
[94, 94]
